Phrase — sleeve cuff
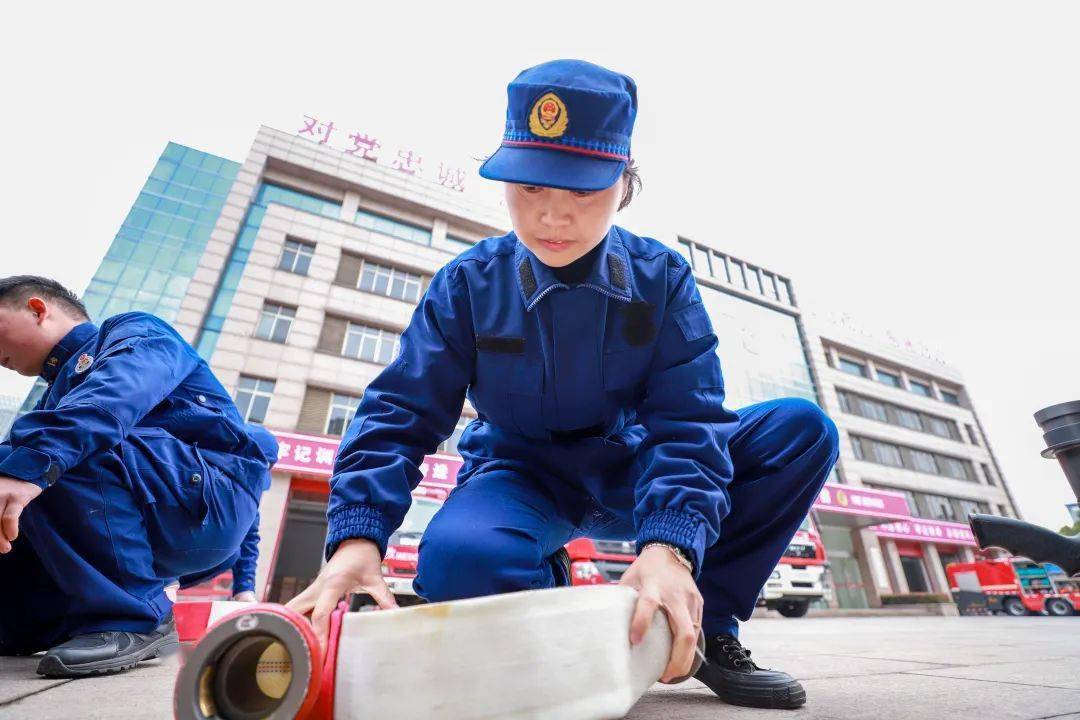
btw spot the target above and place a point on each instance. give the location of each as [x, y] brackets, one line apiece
[245, 586]
[684, 531]
[27, 464]
[356, 521]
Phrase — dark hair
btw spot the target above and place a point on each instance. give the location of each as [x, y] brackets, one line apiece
[632, 183]
[17, 289]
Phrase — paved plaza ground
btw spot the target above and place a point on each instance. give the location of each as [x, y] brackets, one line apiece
[922, 668]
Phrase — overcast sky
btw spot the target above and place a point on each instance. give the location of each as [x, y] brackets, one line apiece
[914, 165]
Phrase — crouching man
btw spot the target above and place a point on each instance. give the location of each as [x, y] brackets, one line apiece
[133, 472]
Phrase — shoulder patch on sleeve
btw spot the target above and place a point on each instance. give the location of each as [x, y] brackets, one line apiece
[694, 321]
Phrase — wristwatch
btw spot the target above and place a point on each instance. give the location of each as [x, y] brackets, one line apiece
[674, 550]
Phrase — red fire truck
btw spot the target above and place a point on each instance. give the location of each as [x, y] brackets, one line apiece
[798, 579]
[1014, 586]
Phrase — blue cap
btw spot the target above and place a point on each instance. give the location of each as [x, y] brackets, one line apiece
[568, 126]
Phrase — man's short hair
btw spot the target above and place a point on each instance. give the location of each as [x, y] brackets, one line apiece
[17, 289]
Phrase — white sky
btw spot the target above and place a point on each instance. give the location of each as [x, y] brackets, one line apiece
[912, 164]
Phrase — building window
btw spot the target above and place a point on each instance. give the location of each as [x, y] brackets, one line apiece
[253, 398]
[967, 507]
[296, 256]
[939, 507]
[393, 228]
[1003, 510]
[942, 428]
[845, 402]
[852, 368]
[458, 244]
[989, 474]
[887, 378]
[920, 388]
[909, 419]
[950, 397]
[923, 462]
[389, 281]
[972, 435]
[887, 454]
[954, 467]
[372, 344]
[873, 409]
[275, 322]
[342, 410]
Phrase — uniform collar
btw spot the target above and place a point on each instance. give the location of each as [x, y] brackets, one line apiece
[67, 347]
[610, 275]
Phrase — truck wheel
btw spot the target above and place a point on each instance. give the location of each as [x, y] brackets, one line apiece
[1014, 607]
[1058, 607]
[793, 608]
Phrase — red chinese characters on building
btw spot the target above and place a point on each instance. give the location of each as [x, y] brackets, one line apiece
[365, 145]
[408, 162]
[453, 178]
[315, 129]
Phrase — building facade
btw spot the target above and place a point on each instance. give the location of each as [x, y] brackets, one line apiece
[908, 427]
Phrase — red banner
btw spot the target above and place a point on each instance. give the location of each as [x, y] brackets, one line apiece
[315, 455]
[849, 500]
[935, 531]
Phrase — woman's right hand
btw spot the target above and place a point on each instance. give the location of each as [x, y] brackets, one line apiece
[355, 566]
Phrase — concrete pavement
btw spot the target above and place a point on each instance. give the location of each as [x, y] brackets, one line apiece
[886, 668]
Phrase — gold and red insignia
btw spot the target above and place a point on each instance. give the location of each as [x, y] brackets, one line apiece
[548, 117]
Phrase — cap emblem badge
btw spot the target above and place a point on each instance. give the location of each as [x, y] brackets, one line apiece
[548, 116]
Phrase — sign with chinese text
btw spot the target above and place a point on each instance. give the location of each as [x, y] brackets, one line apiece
[315, 455]
[366, 147]
[849, 500]
[935, 531]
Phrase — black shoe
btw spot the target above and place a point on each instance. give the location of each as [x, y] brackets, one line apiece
[732, 675]
[110, 652]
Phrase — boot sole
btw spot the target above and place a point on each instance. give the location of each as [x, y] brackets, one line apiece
[781, 696]
[53, 667]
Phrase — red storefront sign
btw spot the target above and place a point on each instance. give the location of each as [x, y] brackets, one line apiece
[315, 455]
[935, 531]
[848, 500]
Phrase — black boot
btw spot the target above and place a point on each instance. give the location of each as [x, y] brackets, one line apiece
[109, 652]
[732, 675]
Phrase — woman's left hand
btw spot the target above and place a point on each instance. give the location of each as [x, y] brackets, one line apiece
[664, 583]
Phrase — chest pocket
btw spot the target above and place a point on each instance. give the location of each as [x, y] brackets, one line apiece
[509, 388]
[626, 370]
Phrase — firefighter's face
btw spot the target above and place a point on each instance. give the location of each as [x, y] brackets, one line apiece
[560, 226]
[28, 331]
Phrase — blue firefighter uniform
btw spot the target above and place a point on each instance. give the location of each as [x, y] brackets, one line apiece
[600, 413]
[149, 476]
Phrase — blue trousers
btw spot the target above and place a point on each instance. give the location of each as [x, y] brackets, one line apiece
[96, 549]
[498, 529]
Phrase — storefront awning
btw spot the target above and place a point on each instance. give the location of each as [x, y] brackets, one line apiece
[848, 506]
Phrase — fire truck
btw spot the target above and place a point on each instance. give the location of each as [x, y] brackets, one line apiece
[1014, 586]
[798, 579]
